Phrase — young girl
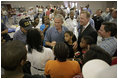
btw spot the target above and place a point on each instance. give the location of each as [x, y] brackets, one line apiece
[85, 42]
[69, 39]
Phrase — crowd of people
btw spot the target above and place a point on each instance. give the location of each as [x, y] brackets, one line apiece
[60, 42]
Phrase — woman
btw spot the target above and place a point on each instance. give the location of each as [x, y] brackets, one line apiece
[37, 54]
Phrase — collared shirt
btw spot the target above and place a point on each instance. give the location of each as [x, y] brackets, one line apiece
[109, 45]
[19, 35]
[53, 35]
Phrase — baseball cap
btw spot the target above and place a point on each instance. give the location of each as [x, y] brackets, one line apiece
[25, 24]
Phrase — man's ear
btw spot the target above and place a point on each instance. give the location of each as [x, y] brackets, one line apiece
[109, 33]
[62, 22]
[22, 62]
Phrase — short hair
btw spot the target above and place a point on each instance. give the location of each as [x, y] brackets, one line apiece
[110, 27]
[96, 52]
[87, 13]
[12, 53]
[59, 16]
[89, 40]
[34, 40]
[71, 11]
[61, 51]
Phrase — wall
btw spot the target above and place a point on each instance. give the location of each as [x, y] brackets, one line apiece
[94, 5]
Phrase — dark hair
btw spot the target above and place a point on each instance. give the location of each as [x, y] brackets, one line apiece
[89, 40]
[12, 53]
[96, 52]
[110, 27]
[34, 40]
[71, 34]
[61, 51]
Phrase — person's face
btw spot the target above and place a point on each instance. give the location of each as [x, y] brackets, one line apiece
[67, 37]
[58, 22]
[102, 32]
[114, 14]
[46, 20]
[37, 20]
[23, 30]
[107, 10]
[83, 43]
[83, 19]
[71, 15]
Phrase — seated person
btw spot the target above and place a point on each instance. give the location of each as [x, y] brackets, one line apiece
[96, 52]
[61, 67]
[108, 31]
[13, 57]
[4, 33]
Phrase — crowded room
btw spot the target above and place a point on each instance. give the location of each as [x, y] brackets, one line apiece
[58, 39]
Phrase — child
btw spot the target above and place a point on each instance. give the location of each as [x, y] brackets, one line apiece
[61, 67]
[85, 42]
[69, 39]
[13, 57]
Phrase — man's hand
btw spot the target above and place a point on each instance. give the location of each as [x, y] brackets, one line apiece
[75, 45]
[53, 43]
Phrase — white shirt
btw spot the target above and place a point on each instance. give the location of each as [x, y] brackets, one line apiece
[39, 59]
[72, 26]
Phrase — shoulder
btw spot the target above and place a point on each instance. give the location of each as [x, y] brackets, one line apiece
[50, 62]
[51, 29]
[47, 49]
[65, 28]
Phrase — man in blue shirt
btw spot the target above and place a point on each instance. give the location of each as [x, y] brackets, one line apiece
[108, 31]
[56, 33]
[21, 33]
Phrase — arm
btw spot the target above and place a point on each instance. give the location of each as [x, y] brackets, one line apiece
[46, 26]
[52, 44]
[4, 32]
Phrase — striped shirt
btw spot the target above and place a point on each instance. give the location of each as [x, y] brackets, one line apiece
[109, 45]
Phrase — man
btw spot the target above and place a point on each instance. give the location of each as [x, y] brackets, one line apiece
[21, 33]
[85, 29]
[4, 33]
[72, 23]
[108, 31]
[98, 19]
[56, 33]
[114, 16]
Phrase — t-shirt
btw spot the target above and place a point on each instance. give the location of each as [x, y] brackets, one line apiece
[57, 69]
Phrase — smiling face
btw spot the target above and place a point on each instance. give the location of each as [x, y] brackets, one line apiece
[83, 19]
[102, 32]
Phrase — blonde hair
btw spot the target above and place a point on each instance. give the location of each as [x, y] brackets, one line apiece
[87, 13]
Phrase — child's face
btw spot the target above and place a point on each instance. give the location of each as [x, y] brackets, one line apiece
[67, 37]
[83, 43]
